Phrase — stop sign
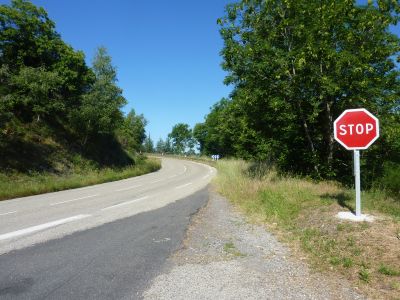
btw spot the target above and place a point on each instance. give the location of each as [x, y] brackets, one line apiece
[356, 129]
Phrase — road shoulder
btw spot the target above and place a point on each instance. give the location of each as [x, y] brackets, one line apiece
[225, 257]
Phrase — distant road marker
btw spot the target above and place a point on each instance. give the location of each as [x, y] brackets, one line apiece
[41, 227]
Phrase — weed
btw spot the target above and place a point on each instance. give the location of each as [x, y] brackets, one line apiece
[364, 275]
[389, 271]
[231, 249]
[335, 261]
[347, 262]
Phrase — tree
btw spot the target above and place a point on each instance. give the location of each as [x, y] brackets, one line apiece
[148, 145]
[180, 136]
[200, 135]
[160, 146]
[167, 145]
[100, 112]
[296, 65]
[43, 78]
[132, 133]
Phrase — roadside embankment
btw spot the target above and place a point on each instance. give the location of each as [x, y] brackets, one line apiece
[302, 213]
[15, 184]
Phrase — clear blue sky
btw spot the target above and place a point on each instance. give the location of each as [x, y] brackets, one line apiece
[166, 52]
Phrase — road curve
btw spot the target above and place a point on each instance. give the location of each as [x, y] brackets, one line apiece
[31, 220]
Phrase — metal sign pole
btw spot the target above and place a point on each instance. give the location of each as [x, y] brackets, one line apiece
[358, 184]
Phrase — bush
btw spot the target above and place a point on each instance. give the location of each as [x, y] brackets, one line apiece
[390, 181]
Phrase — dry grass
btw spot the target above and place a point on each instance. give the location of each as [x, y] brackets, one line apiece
[303, 213]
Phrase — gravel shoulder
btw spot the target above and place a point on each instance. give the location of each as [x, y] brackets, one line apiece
[225, 257]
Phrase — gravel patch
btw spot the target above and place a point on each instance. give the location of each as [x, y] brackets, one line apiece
[224, 257]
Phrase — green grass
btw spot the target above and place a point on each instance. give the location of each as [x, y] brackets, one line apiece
[389, 271]
[19, 185]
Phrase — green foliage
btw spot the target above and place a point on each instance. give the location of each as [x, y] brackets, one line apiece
[181, 138]
[100, 111]
[29, 46]
[164, 146]
[389, 271]
[390, 179]
[131, 133]
[295, 66]
[148, 145]
[200, 135]
[52, 105]
[364, 275]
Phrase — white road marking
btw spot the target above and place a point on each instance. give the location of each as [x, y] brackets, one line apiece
[72, 200]
[156, 181]
[8, 213]
[41, 227]
[124, 203]
[129, 188]
[182, 186]
[185, 169]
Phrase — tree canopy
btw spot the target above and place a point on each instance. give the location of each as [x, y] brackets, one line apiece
[47, 92]
[295, 66]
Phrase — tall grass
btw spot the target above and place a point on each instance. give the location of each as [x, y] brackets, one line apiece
[265, 194]
[19, 185]
[278, 198]
[304, 212]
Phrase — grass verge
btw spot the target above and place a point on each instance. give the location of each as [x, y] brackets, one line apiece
[18, 184]
[302, 213]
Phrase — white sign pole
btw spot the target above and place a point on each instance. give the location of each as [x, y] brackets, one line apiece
[358, 184]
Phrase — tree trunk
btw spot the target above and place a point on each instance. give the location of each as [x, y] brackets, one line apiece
[308, 136]
[329, 134]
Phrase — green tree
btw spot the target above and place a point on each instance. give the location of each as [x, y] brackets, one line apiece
[168, 145]
[148, 145]
[180, 136]
[100, 112]
[224, 130]
[296, 65]
[160, 146]
[131, 133]
[200, 135]
[42, 77]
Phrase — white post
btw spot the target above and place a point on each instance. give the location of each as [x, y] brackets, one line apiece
[358, 184]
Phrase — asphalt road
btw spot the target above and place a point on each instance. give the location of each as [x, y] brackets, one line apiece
[101, 242]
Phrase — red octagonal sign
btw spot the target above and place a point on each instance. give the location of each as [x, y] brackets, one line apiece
[356, 129]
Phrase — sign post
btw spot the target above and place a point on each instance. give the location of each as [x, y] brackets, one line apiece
[356, 129]
[358, 182]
